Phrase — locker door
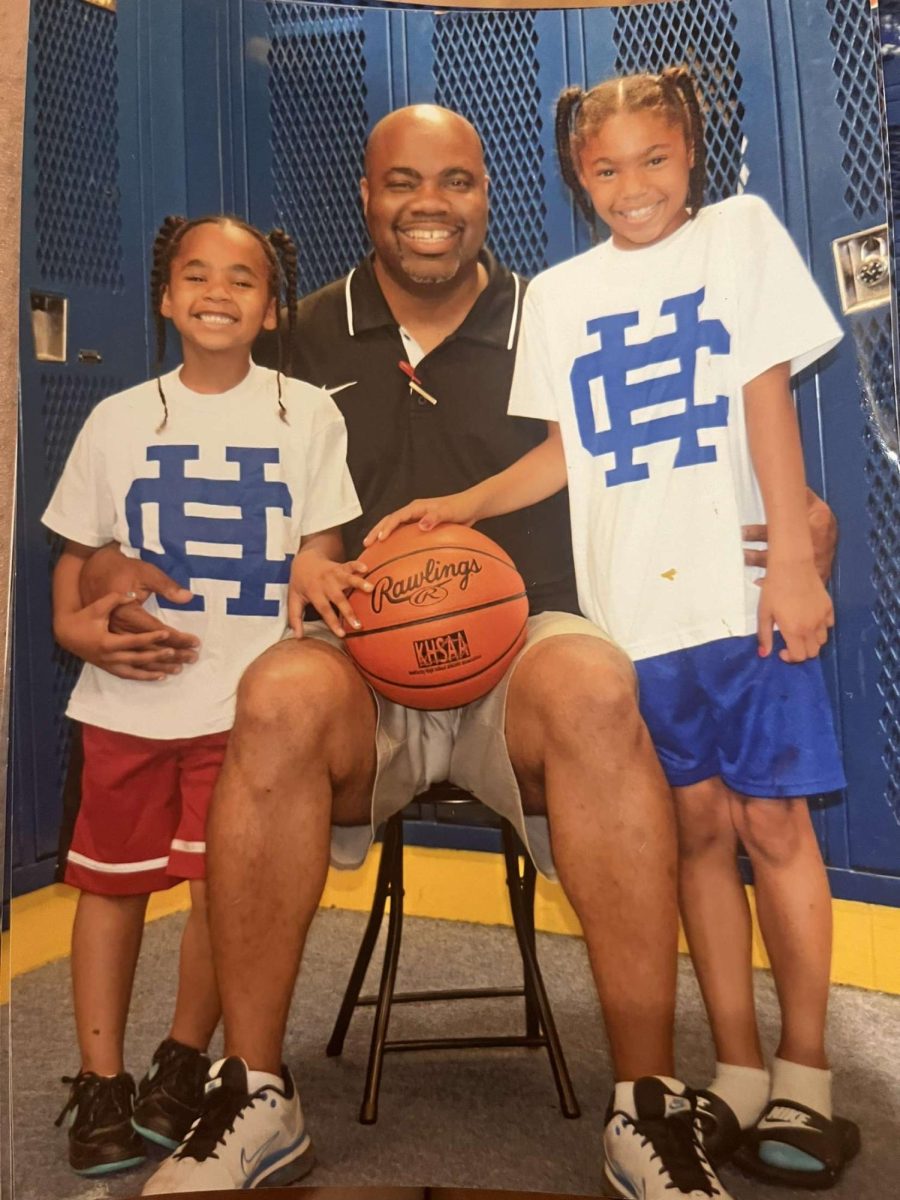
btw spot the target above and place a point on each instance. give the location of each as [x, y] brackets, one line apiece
[95, 174]
[317, 78]
[857, 430]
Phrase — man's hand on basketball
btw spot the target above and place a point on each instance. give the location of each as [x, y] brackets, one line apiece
[141, 656]
[317, 578]
[458, 509]
[109, 570]
[822, 527]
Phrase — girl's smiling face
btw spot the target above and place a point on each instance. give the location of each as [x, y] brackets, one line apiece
[636, 169]
[219, 294]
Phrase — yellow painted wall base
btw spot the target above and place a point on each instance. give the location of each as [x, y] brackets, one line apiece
[451, 885]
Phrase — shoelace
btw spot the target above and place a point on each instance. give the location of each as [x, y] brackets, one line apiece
[221, 1109]
[102, 1101]
[672, 1139]
[180, 1071]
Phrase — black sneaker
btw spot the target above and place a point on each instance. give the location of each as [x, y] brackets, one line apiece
[98, 1117]
[170, 1094]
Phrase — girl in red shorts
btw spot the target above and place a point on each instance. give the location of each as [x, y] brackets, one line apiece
[216, 472]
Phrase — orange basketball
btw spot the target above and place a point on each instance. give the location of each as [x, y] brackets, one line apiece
[445, 618]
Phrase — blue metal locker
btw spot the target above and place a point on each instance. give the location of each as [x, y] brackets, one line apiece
[97, 174]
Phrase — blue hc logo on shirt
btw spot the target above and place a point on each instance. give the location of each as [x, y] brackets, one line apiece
[251, 493]
[615, 359]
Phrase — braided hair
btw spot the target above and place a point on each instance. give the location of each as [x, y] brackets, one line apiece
[580, 114]
[281, 259]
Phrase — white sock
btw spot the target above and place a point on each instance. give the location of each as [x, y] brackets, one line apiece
[807, 1085]
[623, 1100]
[261, 1079]
[744, 1089]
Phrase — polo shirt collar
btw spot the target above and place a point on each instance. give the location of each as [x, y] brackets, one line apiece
[493, 318]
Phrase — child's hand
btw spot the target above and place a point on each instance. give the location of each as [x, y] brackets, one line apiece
[324, 583]
[458, 509]
[141, 656]
[794, 597]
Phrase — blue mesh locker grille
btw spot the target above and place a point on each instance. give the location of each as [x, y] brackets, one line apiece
[487, 69]
[66, 402]
[652, 37]
[317, 83]
[854, 64]
[76, 145]
[873, 339]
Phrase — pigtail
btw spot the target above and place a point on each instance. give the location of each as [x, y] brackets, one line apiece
[567, 107]
[679, 82]
[163, 245]
[286, 258]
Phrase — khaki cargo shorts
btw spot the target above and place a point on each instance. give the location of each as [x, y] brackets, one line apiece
[416, 748]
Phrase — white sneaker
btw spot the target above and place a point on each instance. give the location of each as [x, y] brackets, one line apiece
[652, 1148]
[241, 1140]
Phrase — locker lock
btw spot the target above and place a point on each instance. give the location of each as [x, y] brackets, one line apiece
[863, 268]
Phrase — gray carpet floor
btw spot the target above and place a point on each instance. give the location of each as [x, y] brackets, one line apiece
[477, 1118]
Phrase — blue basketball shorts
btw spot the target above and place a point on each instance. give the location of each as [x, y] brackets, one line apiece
[763, 725]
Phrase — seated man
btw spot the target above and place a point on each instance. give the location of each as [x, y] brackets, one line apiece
[316, 761]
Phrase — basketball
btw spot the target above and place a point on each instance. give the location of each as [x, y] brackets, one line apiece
[445, 618]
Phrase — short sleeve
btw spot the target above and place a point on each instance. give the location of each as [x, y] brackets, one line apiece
[330, 495]
[532, 393]
[782, 313]
[82, 508]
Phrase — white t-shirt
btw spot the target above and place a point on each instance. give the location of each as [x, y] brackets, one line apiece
[641, 356]
[219, 499]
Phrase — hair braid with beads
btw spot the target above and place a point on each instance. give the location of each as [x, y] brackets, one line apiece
[281, 259]
[581, 114]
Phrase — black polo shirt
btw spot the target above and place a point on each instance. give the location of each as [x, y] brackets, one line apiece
[400, 447]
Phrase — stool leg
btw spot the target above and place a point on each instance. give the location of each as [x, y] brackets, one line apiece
[528, 880]
[367, 945]
[524, 884]
[368, 1114]
[568, 1103]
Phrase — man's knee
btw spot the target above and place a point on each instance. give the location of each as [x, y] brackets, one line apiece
[576, 686]
[297, 684]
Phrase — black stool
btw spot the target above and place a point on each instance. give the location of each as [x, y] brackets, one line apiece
[540, 1030]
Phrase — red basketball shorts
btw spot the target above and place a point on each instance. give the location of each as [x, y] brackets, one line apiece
[141, 820]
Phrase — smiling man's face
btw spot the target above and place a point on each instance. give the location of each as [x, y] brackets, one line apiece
[425, 196]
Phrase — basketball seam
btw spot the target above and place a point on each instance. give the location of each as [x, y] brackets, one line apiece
[441, 616]
[440, 549]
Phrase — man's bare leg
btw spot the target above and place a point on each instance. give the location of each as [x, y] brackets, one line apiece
[574, 732]
[301, 755]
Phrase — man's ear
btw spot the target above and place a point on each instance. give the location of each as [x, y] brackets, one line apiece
[270, 320]
[364, 194]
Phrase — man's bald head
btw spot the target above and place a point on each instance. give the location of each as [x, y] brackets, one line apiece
[429, 120]
[424, 193]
